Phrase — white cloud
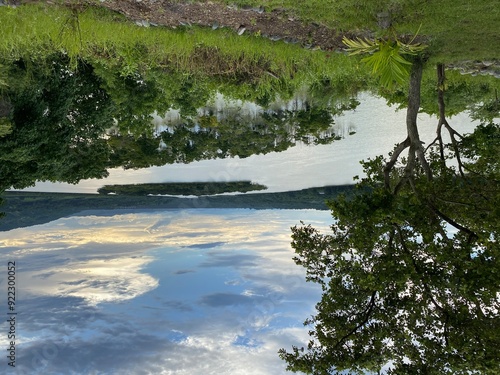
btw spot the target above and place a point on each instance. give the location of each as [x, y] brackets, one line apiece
[96, 281]
[241, 301]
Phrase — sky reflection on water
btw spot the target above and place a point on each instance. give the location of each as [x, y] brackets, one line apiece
[167, 292]
[378, 128]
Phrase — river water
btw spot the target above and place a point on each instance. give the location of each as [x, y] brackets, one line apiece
[168, 292]
[378, 128]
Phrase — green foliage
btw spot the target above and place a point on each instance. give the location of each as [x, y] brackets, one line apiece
[386, 58]
[3, 82]
[120, 131]
[58, 120]
[187, 92]
[389, 64]
[464, 92]
[482, 148]
[129, 151]
[5, 127]
[134, 100]
[412, 278]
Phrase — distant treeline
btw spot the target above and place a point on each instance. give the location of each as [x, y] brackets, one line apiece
[181, 188]
[24, 209]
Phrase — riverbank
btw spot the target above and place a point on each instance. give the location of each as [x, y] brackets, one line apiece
[25, 209]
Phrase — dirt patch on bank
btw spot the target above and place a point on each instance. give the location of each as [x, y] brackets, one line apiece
[278, 24]
[275, 24]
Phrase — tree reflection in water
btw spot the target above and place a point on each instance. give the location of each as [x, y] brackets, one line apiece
[70, 124]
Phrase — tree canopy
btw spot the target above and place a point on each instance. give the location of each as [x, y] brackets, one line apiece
[410, 271]
[58, 119]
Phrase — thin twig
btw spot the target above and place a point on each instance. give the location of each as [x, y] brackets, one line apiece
[452, 133]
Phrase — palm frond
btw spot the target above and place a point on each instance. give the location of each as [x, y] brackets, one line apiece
[389, 65]
[359, 46]
[385, 57]
[411, 49]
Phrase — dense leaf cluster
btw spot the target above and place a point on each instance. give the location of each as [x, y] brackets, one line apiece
[58, 119]
[65, 123]
[411, 280]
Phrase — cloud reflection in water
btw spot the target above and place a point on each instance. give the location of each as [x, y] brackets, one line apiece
[170, 292]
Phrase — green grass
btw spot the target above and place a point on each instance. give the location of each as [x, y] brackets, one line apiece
[248, 66]
[463, 30]
[98, 35]
[457, 29]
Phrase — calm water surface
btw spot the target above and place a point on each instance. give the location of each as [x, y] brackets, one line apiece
[170, 292]
[378, 128]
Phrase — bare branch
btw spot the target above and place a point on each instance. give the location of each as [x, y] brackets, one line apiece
[475, 207]
[409, 169]
[423, 161]
[439, 139]
[442, 119]
[440, 214]
[390, 164]
[454, 142]
[450, 221]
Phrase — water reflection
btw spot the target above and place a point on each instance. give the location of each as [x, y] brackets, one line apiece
[378, 128]
[226, 128]
[150, 292]
[66, 124]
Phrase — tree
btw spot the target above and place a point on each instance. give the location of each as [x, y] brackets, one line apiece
[5, 124]
[134, 98]
[131, 152]
[410, 272]
[58, 120]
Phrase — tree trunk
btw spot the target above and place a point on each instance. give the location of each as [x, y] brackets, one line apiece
[411, 115]
[440, 78]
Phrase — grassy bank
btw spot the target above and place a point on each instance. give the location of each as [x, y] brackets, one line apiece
[105, 38]
[454, 30]
[457, 29]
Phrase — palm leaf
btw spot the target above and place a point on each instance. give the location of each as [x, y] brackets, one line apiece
[358, 46]
[385, 58]
[411, 49]
[389, 65]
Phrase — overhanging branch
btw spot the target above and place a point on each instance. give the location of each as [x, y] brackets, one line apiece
[390, 164]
